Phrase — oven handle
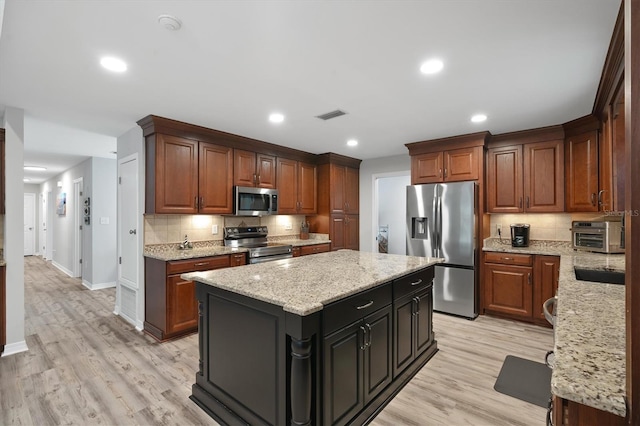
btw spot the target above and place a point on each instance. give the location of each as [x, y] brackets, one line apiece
[588, 231]
[263, 259]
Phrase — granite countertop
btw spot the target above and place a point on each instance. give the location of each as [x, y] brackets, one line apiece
[3, 262]
[168, 252]
[590, 359]
[304, 285]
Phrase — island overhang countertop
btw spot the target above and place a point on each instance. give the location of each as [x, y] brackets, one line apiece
[304, 285]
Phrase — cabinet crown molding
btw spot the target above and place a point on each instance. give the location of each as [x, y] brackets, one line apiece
[342, 160]
[452, 142]
[541, 134]
[581, 125]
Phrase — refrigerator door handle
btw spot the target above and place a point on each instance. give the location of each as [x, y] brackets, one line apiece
[434, 227]
[439, 222]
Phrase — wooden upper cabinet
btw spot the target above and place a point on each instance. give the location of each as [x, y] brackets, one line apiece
[345, 188]
[504, 180]
[526, 177]
[188, 177]
[254, 169]
[215, 184]
[297, 187]
[426, 168]
[175, 162]
[462, 164]
[453, 165]
[581, 172]
[544, 177]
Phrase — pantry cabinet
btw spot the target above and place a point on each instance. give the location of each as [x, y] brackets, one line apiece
[581, 165]
[297, 187]
[184, 176]
[254, 169]
[345, 191]
[526, 177]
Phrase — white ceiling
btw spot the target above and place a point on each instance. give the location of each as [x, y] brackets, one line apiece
[525, 64]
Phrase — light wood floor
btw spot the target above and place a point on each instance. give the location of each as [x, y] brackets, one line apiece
[87, 366]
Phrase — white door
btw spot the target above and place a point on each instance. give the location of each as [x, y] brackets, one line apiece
[29, 224]
[42, 241]
[391, 202]
[50, 205]
[129, 233]
[77, 223]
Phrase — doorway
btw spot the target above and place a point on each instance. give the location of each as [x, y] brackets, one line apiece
[42, 238]
[29, 224]
[389, 220]
[77, 226]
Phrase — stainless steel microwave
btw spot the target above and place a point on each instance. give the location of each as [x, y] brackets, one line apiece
[598, 236]
[248, 201]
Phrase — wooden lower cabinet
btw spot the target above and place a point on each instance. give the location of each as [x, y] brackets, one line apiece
[171, 309]
[310, 249]
[345, 232]
[570, 413]
[413, 328]
[517, 285]
[357, 365]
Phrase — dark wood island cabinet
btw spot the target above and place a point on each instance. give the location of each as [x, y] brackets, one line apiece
[325, 351]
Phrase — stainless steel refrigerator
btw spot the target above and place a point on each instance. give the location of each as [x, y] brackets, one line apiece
[441, 222]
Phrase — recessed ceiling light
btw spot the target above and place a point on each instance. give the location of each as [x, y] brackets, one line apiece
[113, 64]
[26, 180]
[35, 168]
[276, 118]
[352, 142]
[432, 66]
[479, 118]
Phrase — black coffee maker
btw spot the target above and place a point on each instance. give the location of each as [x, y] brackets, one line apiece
[519, 235]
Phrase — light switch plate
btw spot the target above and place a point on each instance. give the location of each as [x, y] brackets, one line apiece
[288, 226]
[214, 229]
[104, 221]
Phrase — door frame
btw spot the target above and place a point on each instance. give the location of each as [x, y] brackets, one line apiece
[78, 185]
[375, 201]
[35, 220]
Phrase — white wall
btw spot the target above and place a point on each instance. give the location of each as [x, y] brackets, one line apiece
[14, 222]
[103, 209]
[369, 171]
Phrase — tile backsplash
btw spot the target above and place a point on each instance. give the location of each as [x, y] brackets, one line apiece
[543, 226]
[164, 229]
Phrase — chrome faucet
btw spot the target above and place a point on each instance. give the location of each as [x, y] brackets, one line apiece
[186, 244]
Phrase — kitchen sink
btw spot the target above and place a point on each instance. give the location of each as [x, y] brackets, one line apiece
[600, 276]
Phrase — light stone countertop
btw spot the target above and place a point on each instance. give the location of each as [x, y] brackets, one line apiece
[3, 262]
[304, 285]
[168, 252]
[589, 350]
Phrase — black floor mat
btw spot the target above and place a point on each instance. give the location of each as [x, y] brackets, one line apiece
[527, 380]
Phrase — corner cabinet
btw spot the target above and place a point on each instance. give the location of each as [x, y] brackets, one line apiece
[185, 176]
[171, 308]
[517, 285]
[581, 165]
[338, 201]
[526, 177]
[297, 187]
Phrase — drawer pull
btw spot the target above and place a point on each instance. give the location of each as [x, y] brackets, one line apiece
[417, 282]
[507, 258]
[201, 264]
[366, 305]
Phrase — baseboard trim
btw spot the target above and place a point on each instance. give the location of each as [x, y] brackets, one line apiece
[14, 348]
[62, 268]
[98, 286]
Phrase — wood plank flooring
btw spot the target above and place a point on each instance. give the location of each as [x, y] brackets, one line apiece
[86, 366]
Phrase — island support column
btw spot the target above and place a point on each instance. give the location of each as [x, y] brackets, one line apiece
[304, 368]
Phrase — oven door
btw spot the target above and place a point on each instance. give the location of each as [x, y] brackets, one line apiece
[270, 258]
[590, 240]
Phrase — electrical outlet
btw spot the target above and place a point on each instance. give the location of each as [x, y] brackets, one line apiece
[214, 229]
[498, 228]
[288, 226]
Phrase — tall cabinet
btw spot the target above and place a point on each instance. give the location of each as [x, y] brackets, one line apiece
[338, 201]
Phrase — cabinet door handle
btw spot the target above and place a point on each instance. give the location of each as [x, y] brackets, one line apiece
[201, 264]
[440, 173]
[201, 203]
[417, 282]
[368, 340]
[366, 305]
[258, 182]
[417, 299]
[196, 202]
[600, 197]
[529, 278]
[254, 178]
[445, 172]
[527, 201]
[520, 203]
[363, 346]
[593, 198]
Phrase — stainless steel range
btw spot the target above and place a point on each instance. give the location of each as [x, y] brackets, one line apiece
[254, 238]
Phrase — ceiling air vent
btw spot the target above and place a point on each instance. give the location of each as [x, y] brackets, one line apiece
[330, 115]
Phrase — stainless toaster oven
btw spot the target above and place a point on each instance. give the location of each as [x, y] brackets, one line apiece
[598, 236]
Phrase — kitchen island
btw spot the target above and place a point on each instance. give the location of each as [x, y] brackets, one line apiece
[323, 339]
